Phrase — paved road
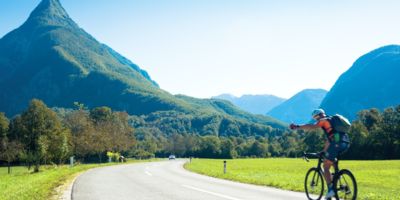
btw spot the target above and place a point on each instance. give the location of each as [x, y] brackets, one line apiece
[166, 180]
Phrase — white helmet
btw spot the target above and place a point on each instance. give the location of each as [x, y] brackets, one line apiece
[317, 112]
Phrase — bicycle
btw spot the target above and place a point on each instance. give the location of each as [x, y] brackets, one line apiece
[344, 183]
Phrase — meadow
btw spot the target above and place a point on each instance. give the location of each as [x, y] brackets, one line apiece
[22, 184]
[376, 179]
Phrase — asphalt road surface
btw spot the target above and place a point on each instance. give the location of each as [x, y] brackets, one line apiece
[166, 180]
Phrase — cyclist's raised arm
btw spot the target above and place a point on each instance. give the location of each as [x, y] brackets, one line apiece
[309, 126]
[305, 126]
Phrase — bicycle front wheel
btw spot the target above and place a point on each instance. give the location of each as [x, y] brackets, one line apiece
[314, 184]
[345, 185]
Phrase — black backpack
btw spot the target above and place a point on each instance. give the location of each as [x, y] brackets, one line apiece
[339, 123]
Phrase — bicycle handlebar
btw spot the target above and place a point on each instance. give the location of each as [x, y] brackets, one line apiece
[306, 159]
[313, 155]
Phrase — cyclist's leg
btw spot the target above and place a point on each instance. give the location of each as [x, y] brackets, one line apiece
[334, 150]
[330, 157]
[327, 174]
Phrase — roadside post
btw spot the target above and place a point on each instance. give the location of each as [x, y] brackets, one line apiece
[224, 166]
[71, 161]
[190, 159]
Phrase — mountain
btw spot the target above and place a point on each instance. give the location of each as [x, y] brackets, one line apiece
[256, 104]
[298, 108]
[51, 58]
[373, 81]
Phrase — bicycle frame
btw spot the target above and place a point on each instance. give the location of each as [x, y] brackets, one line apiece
[321, 159]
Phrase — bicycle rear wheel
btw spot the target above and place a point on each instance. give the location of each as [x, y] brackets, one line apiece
[314, 184]
[345, 185]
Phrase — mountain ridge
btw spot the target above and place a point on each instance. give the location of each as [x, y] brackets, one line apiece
[256, 104]
[298, 108]
[371, 82]
[49, 57]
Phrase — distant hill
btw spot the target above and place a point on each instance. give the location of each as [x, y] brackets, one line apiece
[51, 58]
[373, 81]
[256, 104]
[299, 107]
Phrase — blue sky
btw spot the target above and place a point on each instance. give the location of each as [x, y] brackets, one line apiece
[203, 48]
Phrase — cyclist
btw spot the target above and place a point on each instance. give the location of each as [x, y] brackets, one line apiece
[335, 144]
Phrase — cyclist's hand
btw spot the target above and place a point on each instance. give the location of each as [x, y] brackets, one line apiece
[294, 126]
[322, 154]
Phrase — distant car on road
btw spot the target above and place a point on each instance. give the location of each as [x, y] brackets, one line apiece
[171, 157]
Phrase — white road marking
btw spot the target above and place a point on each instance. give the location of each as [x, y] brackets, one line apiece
[148, 173]
[212, 193]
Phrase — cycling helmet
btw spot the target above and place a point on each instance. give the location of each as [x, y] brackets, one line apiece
[317, 112]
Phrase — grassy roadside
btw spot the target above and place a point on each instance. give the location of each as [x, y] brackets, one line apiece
[24, 185]
[375, 179]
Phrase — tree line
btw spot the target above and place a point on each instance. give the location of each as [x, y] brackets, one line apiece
[211, 146]
[40, 135]
[374, 135]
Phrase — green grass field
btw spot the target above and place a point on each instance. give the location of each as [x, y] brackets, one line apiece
[25, 185]
[375, 179]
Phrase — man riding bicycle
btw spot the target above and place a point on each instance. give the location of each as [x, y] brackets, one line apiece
[336, 143]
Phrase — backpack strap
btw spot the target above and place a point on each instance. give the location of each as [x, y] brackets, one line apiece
[330, 134]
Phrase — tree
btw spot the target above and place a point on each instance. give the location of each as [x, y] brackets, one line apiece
[113, 132]
[61, 146]
[275, 148]
[314, 141]
[258, 149]
[391, 132]
[99, 139]
[210, 147]
[9, 151]
[360, 142]
[101, 114]
[177, 145]
[99, 131]
[80, 106]
[4, 125]
[42, 134]
[192, 144]
[370, 118]
[146, 142]
[228, 149]
[82, 131]
[374, 135]
[121, 132]
[290, 144]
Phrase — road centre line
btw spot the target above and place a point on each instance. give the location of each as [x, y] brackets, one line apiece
[212, 193]
[148, 173]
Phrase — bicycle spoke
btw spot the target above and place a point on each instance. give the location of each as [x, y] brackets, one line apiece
[317, 180]
[345, 186]
[313, 184]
